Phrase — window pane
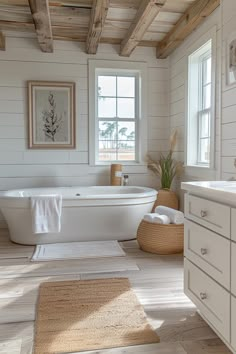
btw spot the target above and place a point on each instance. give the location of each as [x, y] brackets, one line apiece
[207, 96]
[126, 130]
[130, 156]
[107, 149]
[107, 130]
[126, 142]
[125, 86]
[125, 107]
[107, 145]
[107, 156]
[204, 150]
[106, 85]
[106, 107]
[208, 70]
[116, 141]
[204, 125]
[126, 150]
[206, 67]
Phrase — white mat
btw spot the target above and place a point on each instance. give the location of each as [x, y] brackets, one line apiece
[77, 250]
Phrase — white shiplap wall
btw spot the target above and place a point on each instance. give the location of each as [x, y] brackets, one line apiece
[22, 61]
[228, 95]
[178, 94]
[166, 104]
[225, 149]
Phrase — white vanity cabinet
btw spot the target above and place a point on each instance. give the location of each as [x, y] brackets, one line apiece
[212, 300]
[233, 322]
[233, 267]
[205, 248]
[210, 255]
[212, 215]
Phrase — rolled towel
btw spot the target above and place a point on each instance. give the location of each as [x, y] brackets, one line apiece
[161, 219]
[176, 216]
[149, 217]
[156, 218]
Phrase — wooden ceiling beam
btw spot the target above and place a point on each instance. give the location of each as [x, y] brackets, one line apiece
[42, 23]
[146, 13]
[2, 41]
[188, 22]
[97, 20]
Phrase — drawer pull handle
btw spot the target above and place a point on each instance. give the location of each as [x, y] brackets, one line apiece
[203, 213]
[203, 296]
[203, 251]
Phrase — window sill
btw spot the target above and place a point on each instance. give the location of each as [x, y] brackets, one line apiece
[125, 163]
[200, 171]
[198, 166]
[136, 168]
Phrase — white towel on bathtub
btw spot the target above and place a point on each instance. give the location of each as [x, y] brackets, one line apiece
[46, 213]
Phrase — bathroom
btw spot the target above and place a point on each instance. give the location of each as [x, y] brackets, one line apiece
[164, 104]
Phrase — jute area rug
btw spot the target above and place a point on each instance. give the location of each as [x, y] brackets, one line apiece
[74, 316]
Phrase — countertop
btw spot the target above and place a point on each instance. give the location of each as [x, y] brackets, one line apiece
[222, 191]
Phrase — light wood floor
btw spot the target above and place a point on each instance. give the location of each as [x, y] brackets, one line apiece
[157, 281]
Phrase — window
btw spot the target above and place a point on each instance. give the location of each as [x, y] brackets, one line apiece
[200, 107]
[204, 113]
[116, 112]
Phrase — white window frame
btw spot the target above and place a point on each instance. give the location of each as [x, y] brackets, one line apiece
[191, 162]
[121, 68]
[203, 58]
[135, 120]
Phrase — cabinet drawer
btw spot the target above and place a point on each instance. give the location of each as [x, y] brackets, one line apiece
[233, 322]
[210, 214]
[211, 299]
[233, 268]
[208, 251]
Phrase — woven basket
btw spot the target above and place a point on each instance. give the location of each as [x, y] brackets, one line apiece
[159, 238]
[167, 198]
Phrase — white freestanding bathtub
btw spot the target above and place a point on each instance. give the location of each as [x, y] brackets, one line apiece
[88, 213]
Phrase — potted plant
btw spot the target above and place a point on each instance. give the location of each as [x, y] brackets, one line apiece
[166, 168]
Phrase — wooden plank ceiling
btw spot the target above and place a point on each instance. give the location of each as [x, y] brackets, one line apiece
[163, 24]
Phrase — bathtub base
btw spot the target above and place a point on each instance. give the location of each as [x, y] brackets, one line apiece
[96, 213]
[80, 224]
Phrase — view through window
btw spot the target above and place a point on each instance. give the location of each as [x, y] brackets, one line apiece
[117, 115]
[200, 107]
[204, 109]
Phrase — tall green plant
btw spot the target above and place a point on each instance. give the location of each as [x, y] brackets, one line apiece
[166, 168]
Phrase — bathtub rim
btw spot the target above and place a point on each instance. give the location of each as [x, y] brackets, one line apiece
[148, 192]
[125, 199]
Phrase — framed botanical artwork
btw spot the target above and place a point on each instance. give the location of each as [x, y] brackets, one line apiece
[231, 59]
[51, 115]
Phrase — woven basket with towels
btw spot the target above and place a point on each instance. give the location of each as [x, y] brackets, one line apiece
[162, 238]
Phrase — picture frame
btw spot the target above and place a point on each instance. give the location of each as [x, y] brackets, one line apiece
[231, 59]
[51, 111]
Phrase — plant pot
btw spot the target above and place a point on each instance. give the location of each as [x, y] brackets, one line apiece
[168, 198]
